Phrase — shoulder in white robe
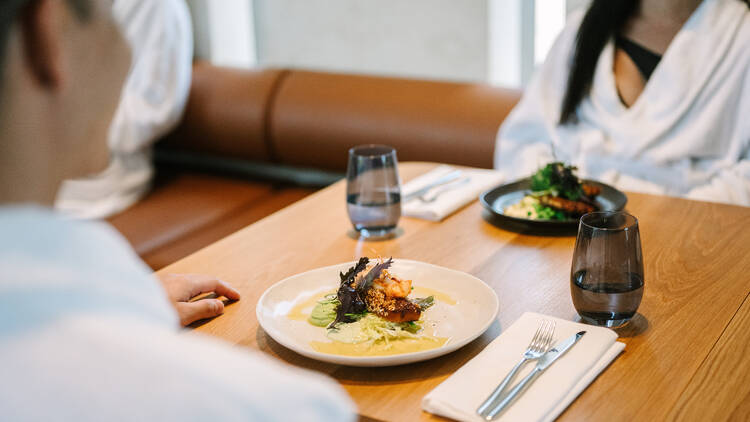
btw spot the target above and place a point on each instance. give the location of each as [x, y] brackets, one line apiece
[87, 334]
[159, 33]
[687, 134]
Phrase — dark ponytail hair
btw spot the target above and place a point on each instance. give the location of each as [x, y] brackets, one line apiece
[603, 20]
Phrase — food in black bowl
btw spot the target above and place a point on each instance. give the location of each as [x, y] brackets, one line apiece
[556, 194]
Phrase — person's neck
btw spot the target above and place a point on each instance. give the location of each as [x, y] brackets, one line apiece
[26, 163]
[658, 21]
[24, 178]
[665, 12]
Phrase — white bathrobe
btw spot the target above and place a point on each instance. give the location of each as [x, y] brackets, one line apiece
[87, 334]
[160, 36]
[688, 134]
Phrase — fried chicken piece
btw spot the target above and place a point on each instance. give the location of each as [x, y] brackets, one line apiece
[591, 190]
[394, 309]
[575, 208]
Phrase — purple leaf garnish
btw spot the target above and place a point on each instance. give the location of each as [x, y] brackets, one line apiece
[374, 273]
[351, 298]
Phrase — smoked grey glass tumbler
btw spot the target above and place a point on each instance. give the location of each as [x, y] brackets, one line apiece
[373, 190]
[606, 278]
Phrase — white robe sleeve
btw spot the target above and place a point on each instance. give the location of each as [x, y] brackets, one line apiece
[526, 138]
[152, 101]
[88, 334]
[732, 183]
[160, 35]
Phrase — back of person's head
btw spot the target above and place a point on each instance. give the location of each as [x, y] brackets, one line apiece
[11, 10]
[62, 66]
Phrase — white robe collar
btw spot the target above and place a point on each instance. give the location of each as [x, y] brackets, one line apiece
[709, 33]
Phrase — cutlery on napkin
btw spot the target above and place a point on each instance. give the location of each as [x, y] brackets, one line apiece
[445, 198]
[459, 396]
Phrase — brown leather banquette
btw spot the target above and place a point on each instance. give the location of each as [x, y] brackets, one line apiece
[254, 141]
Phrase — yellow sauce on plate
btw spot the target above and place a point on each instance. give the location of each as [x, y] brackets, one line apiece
[439, 296]
[301, 312]
[396, 347]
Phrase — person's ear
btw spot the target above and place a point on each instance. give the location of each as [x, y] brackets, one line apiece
[42, 24]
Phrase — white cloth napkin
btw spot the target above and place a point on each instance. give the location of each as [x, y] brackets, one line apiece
[459, 396]
[452, 196]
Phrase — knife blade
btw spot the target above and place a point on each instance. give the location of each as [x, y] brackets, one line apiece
[544, 362]
[554, 353]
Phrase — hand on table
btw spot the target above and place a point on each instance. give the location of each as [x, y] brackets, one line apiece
[181, 288]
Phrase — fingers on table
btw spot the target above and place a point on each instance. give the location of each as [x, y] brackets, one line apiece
[193, 311]
[221, 288]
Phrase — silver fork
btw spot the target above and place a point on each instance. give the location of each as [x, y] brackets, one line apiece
[538, 346]
[429, 197]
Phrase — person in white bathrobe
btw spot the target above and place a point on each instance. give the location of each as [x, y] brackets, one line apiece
[152, 101]
[650, 96]
[87, 333]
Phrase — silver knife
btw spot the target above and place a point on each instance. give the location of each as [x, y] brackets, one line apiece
[544, 362]
[455, 174]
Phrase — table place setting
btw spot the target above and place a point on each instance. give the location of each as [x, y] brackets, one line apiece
[444, 190]
[569, 357]
[604, 267]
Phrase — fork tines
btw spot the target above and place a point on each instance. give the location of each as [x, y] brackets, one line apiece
[543, 336]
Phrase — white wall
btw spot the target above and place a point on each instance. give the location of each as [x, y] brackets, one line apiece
[224, 31]
[496, 41]
[549, 20]
[504, 50]
[442, 39]
[573, 5]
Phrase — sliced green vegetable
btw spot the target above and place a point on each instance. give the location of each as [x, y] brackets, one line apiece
[372, 328]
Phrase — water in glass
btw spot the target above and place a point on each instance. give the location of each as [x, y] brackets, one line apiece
[373, 191]
[606, 278]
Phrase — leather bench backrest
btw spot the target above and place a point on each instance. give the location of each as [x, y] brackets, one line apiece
[316, 117]
[311, 119]
[226, 113]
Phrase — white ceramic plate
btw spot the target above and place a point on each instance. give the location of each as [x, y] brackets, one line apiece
[475, 309]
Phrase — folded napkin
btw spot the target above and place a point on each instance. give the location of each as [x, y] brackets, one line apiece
[451, 196]
[459, 396]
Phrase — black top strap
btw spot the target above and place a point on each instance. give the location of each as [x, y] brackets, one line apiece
[645, 59]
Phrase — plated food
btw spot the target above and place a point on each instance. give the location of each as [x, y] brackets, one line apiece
[371, 313]
[376, 312]
[556, 194]
[548, 203]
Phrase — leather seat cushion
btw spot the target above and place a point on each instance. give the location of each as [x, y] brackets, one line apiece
[188, 211]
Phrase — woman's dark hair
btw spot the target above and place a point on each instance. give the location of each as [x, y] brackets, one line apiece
[603, 20]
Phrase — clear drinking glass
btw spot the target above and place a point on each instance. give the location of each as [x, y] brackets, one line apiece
[373, 190]
[606, 279]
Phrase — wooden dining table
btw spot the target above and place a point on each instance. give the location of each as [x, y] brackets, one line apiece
[687, 354]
